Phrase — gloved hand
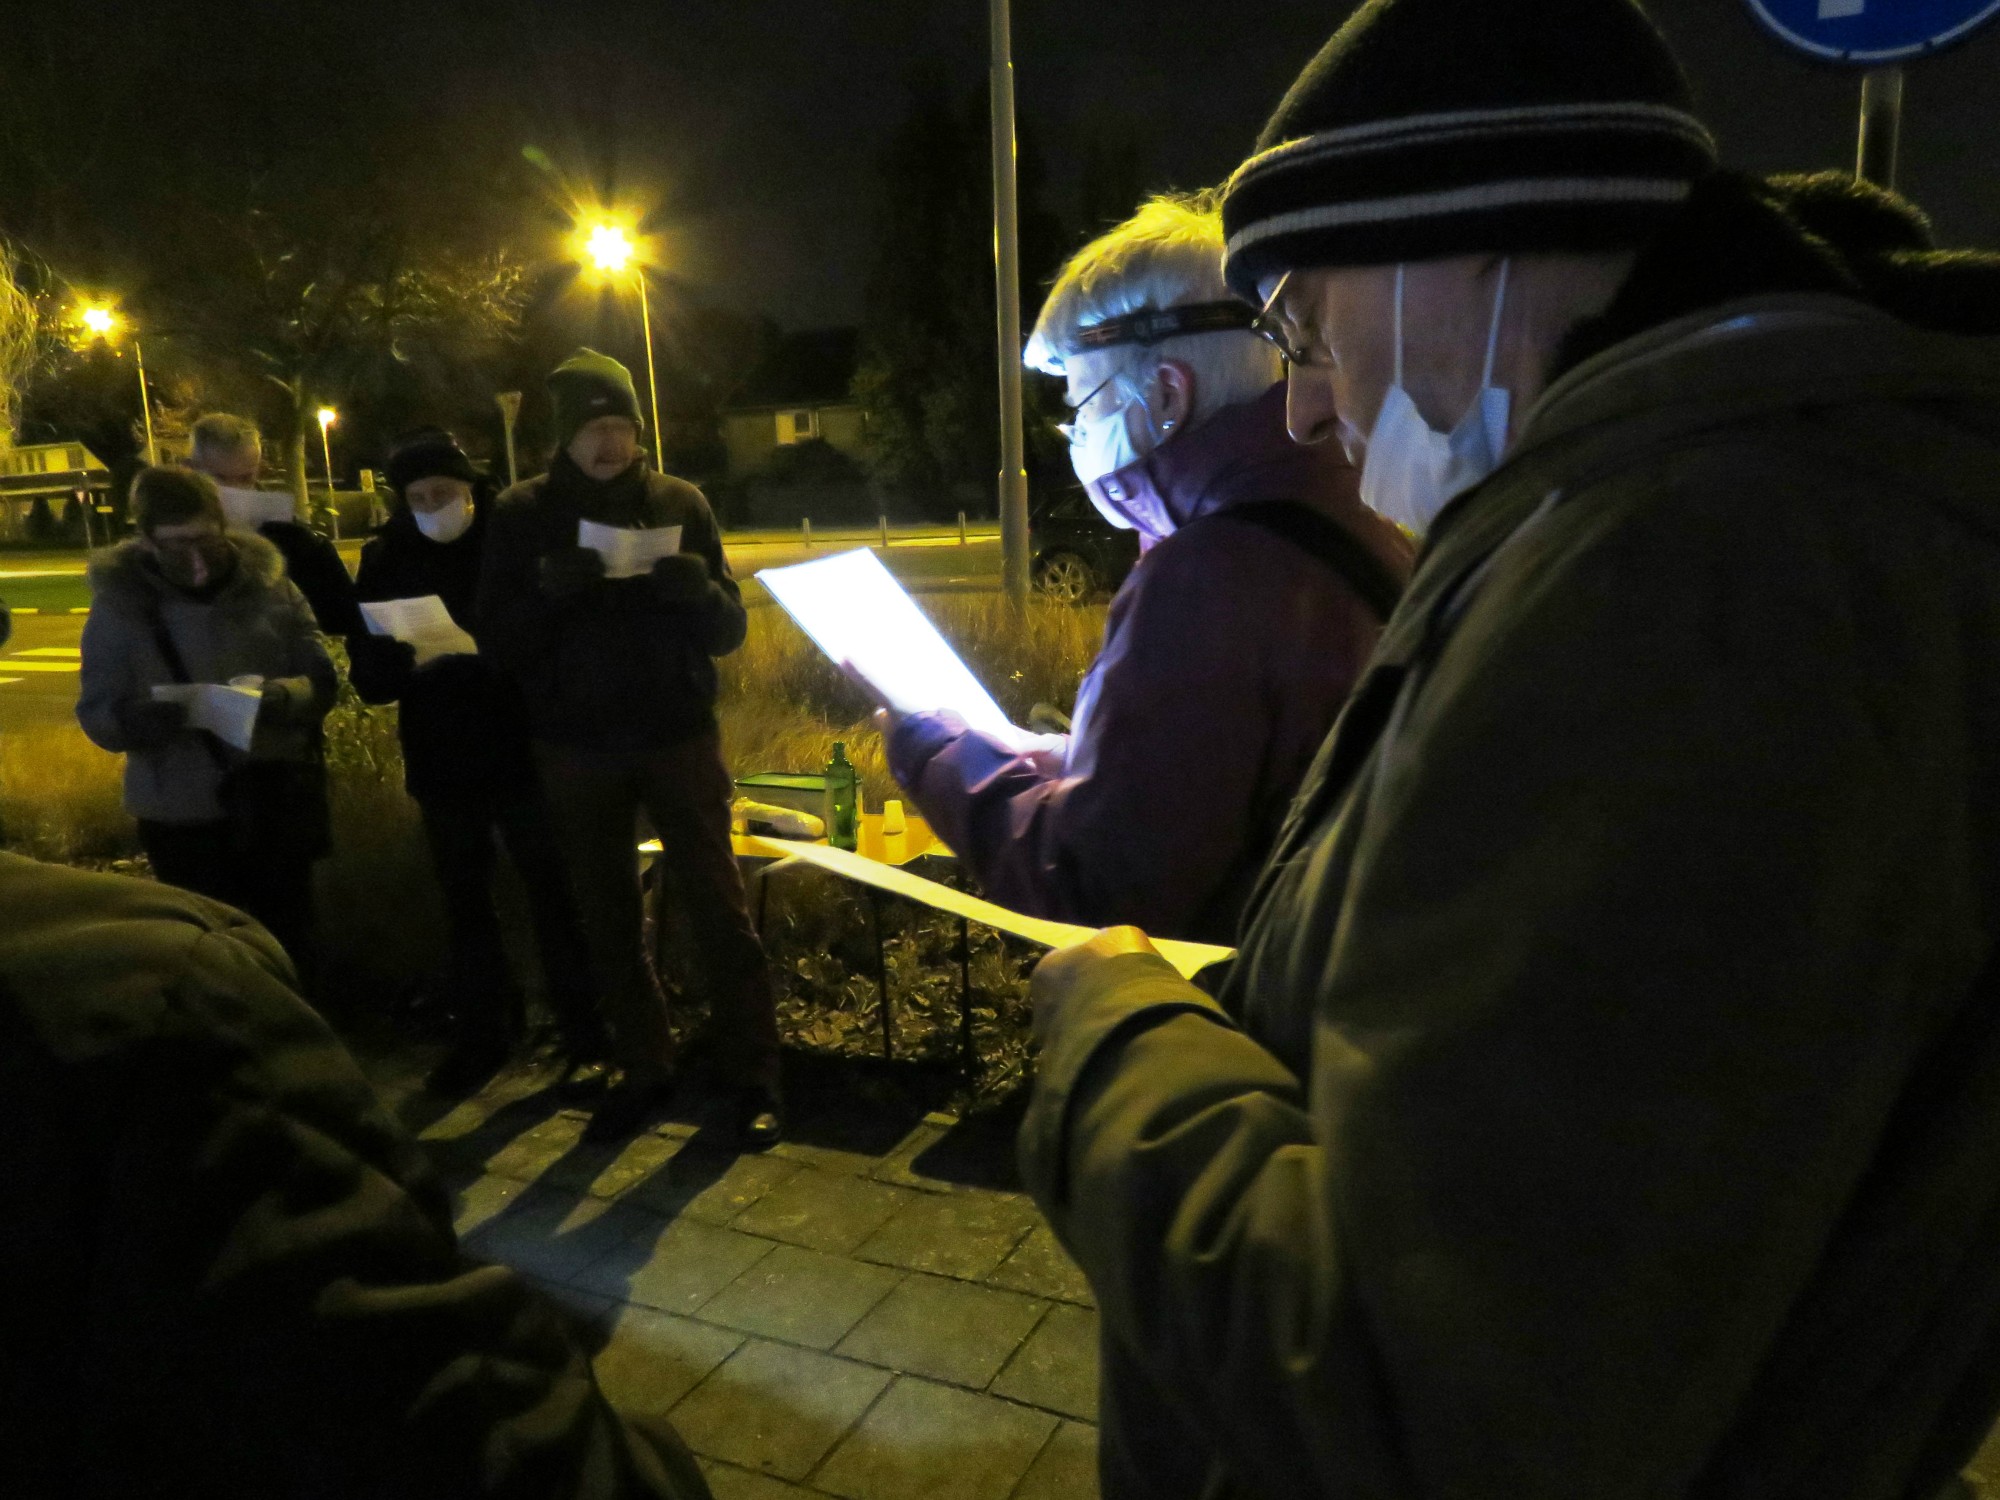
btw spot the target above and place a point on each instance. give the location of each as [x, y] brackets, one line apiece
[382, 656]
[148, 723]
[568, 571]
[681, 579]
[274, 699]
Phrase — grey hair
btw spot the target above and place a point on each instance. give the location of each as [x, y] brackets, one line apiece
[222, 432]
[1167, 254]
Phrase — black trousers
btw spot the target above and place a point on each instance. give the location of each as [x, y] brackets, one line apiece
[465, 835]
[198, 857]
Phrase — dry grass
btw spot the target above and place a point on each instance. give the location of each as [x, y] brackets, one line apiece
[60, 797]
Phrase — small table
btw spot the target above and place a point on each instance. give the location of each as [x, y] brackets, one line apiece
[917, 841]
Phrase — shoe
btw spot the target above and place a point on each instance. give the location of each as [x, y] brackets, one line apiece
[468, 1065]
[581, 1078]
[759, 1117]
[627, 1108]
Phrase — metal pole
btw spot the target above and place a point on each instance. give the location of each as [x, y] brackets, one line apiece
[1881, 126]
[332, 505]
[1007, 273]
[652, 380]
[510, 411]
[146, 406]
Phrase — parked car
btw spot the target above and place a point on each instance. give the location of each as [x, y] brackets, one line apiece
[1076, 555]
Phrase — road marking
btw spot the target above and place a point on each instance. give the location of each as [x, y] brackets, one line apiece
[28, 609]
[82, 610]
[15, 664]
[72, 652]
[10, 681]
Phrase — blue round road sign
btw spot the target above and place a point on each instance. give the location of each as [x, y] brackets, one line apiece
[1873, 31]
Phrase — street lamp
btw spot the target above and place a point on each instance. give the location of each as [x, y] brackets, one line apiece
[102, 323]
[327, 417]
[611, 251]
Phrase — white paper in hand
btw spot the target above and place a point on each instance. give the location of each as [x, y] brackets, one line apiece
[226, 711]
[628, 553]
[424, 622]
[856, 612]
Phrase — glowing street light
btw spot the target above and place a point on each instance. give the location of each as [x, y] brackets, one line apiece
[102, 322]
[327, 417]
[610, 249]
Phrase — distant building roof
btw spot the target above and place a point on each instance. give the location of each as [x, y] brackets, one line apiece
[814, 367]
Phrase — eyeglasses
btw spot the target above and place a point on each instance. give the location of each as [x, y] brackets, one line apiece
[1068, 429]
[1272, 326]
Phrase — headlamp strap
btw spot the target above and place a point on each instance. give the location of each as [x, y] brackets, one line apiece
[1151, 325]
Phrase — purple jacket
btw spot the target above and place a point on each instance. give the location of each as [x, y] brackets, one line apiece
[1227, 655]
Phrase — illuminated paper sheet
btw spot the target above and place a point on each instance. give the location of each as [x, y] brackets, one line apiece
[856, 612]
[424, 622]
[1188, 958]
[628, 553]
[225, 710]
[246, 510]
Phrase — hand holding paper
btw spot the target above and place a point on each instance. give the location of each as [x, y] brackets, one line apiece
[227, 710]
[628, 553]
[425, 623]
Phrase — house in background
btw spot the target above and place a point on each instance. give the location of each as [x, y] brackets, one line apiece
[799, 395]
[51, 492]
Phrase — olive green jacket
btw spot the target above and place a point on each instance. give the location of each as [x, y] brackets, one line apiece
[224, 1270]
[1606, 1102]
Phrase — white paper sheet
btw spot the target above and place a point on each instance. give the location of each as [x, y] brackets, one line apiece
[856, 612]
[224, 709]
[1189, 958]
[628, 553]
[246, 510]
[424, 622]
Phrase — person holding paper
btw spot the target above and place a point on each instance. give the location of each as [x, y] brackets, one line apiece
[1605, 1101]
[187, 602]
[620, 683]
[230, 450]
[467, 764]
[1230, 649]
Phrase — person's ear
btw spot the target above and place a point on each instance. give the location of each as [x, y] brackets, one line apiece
[1175, 380]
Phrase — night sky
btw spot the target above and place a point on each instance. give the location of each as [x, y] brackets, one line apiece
[754, 129]
[780, 108]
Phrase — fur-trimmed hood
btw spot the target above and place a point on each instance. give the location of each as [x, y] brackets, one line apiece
[124, 572]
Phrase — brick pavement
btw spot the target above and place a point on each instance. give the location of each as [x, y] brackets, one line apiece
[823, 1320]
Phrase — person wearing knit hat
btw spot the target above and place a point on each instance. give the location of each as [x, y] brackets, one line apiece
[468, 766]
[1603, 1098]
[619, 679]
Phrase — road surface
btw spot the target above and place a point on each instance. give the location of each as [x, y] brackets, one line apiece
[38, 668]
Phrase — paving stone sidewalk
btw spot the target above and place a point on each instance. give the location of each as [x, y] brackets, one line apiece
[816, 1321]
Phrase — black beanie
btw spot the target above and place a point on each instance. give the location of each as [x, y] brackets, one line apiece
[1432, 128]
[426, 454]
[589, 385]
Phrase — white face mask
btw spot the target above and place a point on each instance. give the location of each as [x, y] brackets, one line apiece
[1411, 470]
[447, 523]
[1103, 445]
[246, 510]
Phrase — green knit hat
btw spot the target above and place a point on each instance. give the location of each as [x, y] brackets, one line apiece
[589, 385]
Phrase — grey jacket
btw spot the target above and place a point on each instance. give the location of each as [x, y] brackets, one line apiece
[258, 623]
[1606, 1102]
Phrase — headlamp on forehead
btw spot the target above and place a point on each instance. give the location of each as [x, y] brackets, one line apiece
[1154, 325]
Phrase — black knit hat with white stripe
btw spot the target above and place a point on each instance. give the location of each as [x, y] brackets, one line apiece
[1430, 128]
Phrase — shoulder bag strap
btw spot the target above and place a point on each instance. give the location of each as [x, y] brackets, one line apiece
[1333, 544]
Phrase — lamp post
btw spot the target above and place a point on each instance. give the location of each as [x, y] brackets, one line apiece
[1007, 275]
[327, 417]
[611, 250]
[102, 321]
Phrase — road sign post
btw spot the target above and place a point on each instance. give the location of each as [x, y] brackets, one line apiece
[1879, 35]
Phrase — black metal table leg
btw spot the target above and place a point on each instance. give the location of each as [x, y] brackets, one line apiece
[881, 973]
[967, 1060]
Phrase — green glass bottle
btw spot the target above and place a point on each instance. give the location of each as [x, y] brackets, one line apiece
[843, 800]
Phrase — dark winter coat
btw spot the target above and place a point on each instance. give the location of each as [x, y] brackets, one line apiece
[1606, 1102]
[313, 563]
[615, 667]
[463, 726]
[257, 624]
[1226, 656]
[226, 1270]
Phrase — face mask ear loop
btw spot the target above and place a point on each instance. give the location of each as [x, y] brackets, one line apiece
[1399, 323]
[1493, 333]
